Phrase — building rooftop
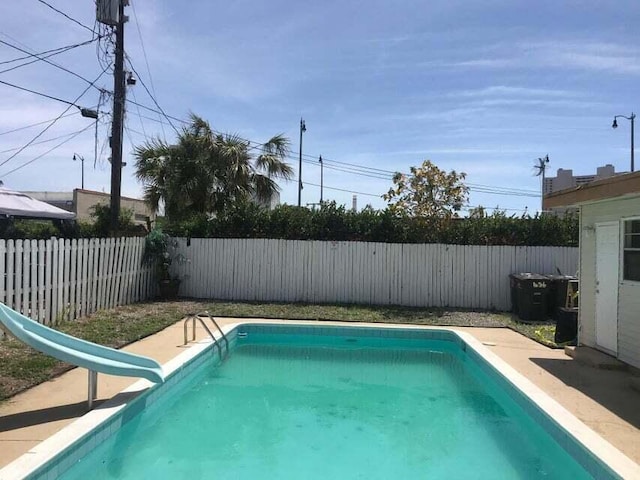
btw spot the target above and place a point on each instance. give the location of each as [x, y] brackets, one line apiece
[606, 188]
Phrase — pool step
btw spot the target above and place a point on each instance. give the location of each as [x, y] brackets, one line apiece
[594, 358]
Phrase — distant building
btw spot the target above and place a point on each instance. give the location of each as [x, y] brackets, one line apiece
[81, 202]
[565, 179]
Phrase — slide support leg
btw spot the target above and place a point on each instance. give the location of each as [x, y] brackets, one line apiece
[93, 388]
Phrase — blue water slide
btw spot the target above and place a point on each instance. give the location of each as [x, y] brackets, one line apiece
[75, 351]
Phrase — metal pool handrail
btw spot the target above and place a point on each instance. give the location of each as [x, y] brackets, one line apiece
[200, 317]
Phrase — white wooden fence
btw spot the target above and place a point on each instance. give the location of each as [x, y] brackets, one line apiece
[365, 273]
[62, 279]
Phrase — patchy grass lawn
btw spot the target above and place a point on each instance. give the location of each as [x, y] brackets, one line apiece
[22, 367]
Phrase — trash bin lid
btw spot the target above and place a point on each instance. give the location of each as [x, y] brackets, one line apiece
[561, 277]
[528, 276]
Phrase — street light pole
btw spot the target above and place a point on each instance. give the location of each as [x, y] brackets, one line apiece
[81, 158]
[632, 120]
[321, 178]
[303, 128]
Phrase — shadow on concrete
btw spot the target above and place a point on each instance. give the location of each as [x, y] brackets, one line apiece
[610, 388]
[29, 418]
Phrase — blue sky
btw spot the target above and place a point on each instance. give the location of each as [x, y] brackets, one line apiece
[479, 87]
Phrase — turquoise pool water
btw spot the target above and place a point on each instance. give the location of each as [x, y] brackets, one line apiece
[294, 406]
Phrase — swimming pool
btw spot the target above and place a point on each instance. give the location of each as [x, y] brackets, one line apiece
[330, 402]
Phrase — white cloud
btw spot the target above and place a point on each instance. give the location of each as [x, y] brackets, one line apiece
[598, 56]
[504, 90]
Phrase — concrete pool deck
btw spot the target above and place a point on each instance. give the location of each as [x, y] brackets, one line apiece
[602, 399]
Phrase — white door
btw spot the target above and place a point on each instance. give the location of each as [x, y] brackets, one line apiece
[607, 266]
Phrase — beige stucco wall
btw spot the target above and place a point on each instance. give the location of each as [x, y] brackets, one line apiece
[628, 292]
[85, 199]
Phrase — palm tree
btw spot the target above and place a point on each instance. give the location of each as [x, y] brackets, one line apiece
[204, 172]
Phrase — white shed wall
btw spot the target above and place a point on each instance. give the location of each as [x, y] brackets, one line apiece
[628, 292]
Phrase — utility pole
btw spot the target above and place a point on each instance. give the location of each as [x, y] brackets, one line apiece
[321, 178]
[119, 91]
[303, 128]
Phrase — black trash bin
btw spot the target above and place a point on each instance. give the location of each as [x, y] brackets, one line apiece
[513, 285]
[531, 296]
[566, 325]
[557, 296]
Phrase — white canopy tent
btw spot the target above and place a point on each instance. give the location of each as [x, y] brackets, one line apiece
[16, 204]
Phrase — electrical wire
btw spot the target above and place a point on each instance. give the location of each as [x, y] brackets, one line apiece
[66, 16]
[361, 170]
[146, 60]
[50, 63]
[47, 53]
[52, 122]
[38, 93]
[38, 123]
[140, 115]
[47, 152]
[342, 189]
[48, 140]
[102, 46]
[150, 95]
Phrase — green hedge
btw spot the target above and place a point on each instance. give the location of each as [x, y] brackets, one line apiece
[45, 229]
[332, 222]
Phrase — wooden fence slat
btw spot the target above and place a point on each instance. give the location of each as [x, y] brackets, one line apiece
[41, 282]
[11, 252]
[129, 282]
[33, 287]
[48, 287]
[54, 280]
[66, 279]
[91, 277]
[18, 276]
[3, 253]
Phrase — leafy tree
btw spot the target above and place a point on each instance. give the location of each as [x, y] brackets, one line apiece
[477, 212]
[101, 217]
[205, 172]
[428, 192]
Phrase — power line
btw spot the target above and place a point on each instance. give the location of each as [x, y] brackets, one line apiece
[64, 69]
[38, 93]
[358, 166]
[338, 169]
[139, 114]
[343, 190]
[361, 170]
[52, 122]
[473, 187]
[48, 53]
[146, 60]
[36, 124]
[66, 16]
[151, 96]
[471, 207]
[48, 140]
[47, 152]
[131, 130]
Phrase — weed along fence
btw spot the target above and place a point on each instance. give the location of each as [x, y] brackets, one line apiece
[62, 279]
[365, 273]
